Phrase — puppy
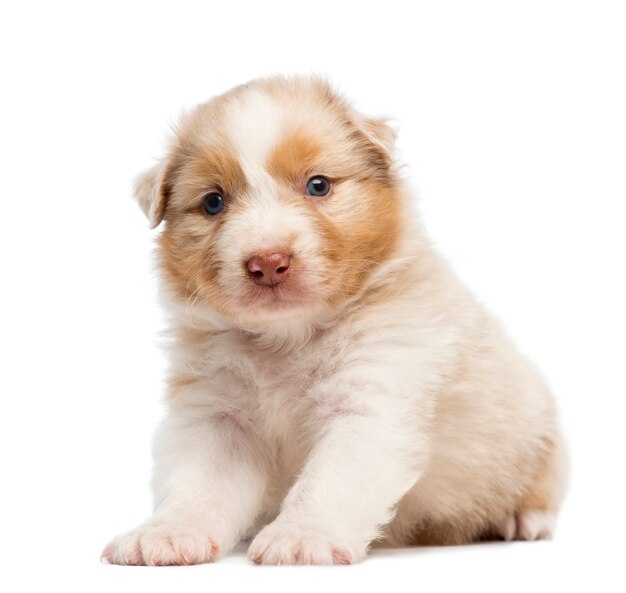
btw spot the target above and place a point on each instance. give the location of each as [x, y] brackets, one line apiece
[332, 384]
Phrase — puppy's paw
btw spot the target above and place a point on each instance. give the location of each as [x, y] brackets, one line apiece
[291, 543]
[528, 525]
[533, 525]
[161, 544]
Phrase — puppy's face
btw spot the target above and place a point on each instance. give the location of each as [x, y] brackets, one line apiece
[278, 202]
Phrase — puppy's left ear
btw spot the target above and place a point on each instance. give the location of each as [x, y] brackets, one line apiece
[381, 133]
[151, 192]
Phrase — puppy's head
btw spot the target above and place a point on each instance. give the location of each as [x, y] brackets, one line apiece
[278, 202]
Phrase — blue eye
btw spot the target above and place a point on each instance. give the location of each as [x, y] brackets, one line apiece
[318, 186]
[213, 203]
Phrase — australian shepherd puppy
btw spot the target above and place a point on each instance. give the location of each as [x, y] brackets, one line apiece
[332, 384]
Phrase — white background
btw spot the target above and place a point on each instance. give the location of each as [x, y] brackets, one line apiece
[512, 119]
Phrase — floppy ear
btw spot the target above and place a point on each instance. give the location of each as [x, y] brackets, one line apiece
[381, 133]
[151, 192]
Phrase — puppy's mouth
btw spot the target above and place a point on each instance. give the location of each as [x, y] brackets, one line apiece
[274, 294]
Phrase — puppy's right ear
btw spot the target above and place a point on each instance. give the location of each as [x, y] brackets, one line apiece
[151, 192]
[381, 133]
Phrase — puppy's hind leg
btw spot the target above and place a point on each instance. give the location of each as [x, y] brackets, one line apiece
[536, 513]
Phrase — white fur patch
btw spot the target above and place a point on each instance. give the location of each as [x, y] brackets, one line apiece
[255, 123]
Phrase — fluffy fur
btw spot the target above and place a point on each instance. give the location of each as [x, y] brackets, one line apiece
[367, 398]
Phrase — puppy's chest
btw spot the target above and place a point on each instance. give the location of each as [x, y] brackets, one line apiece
[274, 389]
[284, 384]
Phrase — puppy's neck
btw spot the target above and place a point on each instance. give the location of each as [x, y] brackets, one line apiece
[283, 336]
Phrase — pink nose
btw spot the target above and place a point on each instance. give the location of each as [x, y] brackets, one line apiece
[269, 269]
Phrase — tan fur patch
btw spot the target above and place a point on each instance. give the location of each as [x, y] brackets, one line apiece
[186, 250]
[366, 228]
[294, 158]
[205, 170]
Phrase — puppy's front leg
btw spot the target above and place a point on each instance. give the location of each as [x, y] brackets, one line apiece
[366, 454]
[207, 488]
